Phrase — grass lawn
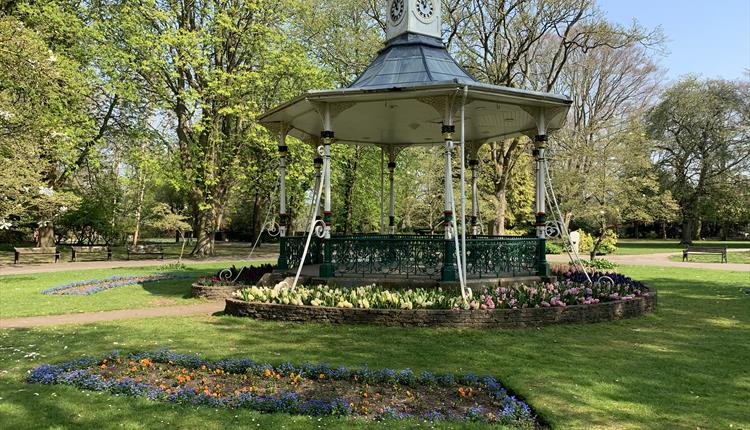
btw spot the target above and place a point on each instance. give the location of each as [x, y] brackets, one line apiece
[20, 295]
[683, 367]
[732, 257]
[644, 246]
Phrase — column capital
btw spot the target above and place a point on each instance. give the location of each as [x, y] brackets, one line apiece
[327, 137]
[448, 130]
[540, 141]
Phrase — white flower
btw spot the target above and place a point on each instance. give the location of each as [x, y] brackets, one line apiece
[46, 191]
[5, 225]
[6, 115]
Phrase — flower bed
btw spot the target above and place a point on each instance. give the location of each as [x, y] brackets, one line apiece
[308, 389]
[571, 289]
[93, 286]
[571, 299]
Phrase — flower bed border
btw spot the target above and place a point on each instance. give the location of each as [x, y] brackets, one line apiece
[213, 292]
[489, 318]
[75, 373]
[98, 285]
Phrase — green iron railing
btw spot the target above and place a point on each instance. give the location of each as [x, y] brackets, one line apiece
[417, 255]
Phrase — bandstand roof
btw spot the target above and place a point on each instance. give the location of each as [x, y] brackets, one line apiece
[400, 100]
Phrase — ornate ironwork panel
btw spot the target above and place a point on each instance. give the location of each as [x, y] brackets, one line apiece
[387, 255]
[417, 256]
[501, 256]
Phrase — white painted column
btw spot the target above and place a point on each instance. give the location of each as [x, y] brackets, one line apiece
[540, 146]
[282, 177]
[382, 191]
[392, 202]
[448, 130]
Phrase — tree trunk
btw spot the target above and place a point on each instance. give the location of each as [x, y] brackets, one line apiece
[139, 207]
[46, 238]
[687, 231]
[698, 226]
[664, 230]
[502, 206]
[204, 245]
[635, 227]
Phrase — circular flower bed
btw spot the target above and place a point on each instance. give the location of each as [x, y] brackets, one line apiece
[572, 298]
[307, 389]
[93, 286]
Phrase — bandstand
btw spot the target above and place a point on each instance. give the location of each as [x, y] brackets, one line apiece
[415, 93]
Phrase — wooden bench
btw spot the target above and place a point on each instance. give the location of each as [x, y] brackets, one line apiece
[36, 251]
[705, 250]
[146, 250]
[93, 249]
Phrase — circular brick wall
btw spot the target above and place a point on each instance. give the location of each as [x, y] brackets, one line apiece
[213, 293]
[502, 318]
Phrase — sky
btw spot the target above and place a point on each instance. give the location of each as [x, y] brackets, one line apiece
[707, 38]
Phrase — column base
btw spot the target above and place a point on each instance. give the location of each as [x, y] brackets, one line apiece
[326, 270]
[448, 274]
[542, 269]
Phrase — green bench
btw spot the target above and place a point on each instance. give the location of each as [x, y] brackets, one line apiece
[35, 251]
[704, 250]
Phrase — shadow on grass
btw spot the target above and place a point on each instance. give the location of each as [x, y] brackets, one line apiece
[675, 368]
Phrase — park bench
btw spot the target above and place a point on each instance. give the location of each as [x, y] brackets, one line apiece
[146, 250]
[93, 249]
[36, 251]
[705, 250]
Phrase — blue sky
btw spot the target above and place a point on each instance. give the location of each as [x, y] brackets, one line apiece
[709, 38]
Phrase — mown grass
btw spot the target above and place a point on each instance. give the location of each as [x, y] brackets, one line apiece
[732, 257]
[682, 367]
[644, 246]
[20, 295]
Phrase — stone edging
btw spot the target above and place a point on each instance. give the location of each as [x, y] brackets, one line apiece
[496, 318]
[213, 292]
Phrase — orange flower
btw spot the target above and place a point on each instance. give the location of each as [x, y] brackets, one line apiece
[321, 376]
[267, 373]
[365, 394]
[461, 391]
[145, 362]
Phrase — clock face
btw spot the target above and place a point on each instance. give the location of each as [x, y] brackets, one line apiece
[425, 9]
[397, 10]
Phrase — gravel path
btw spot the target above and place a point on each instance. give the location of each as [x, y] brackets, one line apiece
[123, 314]
[662, 259]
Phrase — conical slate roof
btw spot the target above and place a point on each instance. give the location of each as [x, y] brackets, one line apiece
[412, 59]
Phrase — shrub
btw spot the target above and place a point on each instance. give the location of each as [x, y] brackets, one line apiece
[607, 246]
[599, 264]
[553, 248]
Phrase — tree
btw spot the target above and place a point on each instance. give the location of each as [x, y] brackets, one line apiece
[527, 44]
[42, 118]
[701, 130]
[213, 66]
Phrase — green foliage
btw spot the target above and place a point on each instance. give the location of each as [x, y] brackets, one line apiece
[608, 243]
[599, 264]
[700, 132]
[553, 248]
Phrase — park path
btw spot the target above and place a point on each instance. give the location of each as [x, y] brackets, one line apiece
[662, 259]
[123, 314]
